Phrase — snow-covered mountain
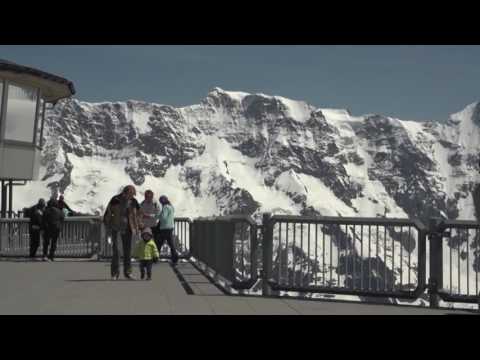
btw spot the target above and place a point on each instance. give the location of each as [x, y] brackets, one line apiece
[250, 153]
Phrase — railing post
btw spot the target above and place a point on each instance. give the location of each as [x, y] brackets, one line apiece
[215, 251]
[231, 226]
[435, 282]
[253, 252]
[102, 241]
[4, 201]
[1, 238]
[422, 259]
[267, 249]
[190, 237]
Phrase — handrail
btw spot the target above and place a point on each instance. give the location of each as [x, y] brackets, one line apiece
[462, 224]
[68, 219]
[351, 220]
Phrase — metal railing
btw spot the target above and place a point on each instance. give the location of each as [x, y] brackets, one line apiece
[454, 261]
[374, 257]
[79, 237]
[228, 247]
[181, 240]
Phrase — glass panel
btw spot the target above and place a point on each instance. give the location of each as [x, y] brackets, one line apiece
[21, 107]
[38, 138]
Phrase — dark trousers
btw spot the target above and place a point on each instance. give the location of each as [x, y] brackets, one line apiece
[50, 235]
[126, 238]
[165, 235]
[34, 242]
[146, 265]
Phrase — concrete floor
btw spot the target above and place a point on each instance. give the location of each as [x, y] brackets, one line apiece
[72, 287]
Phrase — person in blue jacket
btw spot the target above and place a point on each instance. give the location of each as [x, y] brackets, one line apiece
[165, 227]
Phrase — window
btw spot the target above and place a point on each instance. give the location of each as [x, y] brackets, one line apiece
[21, 113]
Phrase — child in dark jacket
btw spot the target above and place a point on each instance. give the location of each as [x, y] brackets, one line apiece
[147, 253]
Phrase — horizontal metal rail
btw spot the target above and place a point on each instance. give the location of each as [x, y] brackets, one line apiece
[349, 220]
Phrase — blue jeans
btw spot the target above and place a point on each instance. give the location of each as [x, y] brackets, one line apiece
[127, 253]
[146, 265]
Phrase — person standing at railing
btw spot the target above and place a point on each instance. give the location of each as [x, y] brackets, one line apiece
[53, 219]
[35, 213]
[123, 218]
[62, 205]
[165, 227]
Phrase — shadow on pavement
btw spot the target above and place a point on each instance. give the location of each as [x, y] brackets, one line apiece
[39, 260]
[102, 280]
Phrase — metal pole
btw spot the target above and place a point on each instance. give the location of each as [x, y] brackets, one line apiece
[190, 239]
[4, 200]
[435, 283]
[267, 249]
[10, 199]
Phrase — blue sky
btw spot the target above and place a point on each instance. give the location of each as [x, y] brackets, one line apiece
[409, 82]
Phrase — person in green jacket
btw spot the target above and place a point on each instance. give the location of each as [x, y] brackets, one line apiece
[147, 252]
[165, 227]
